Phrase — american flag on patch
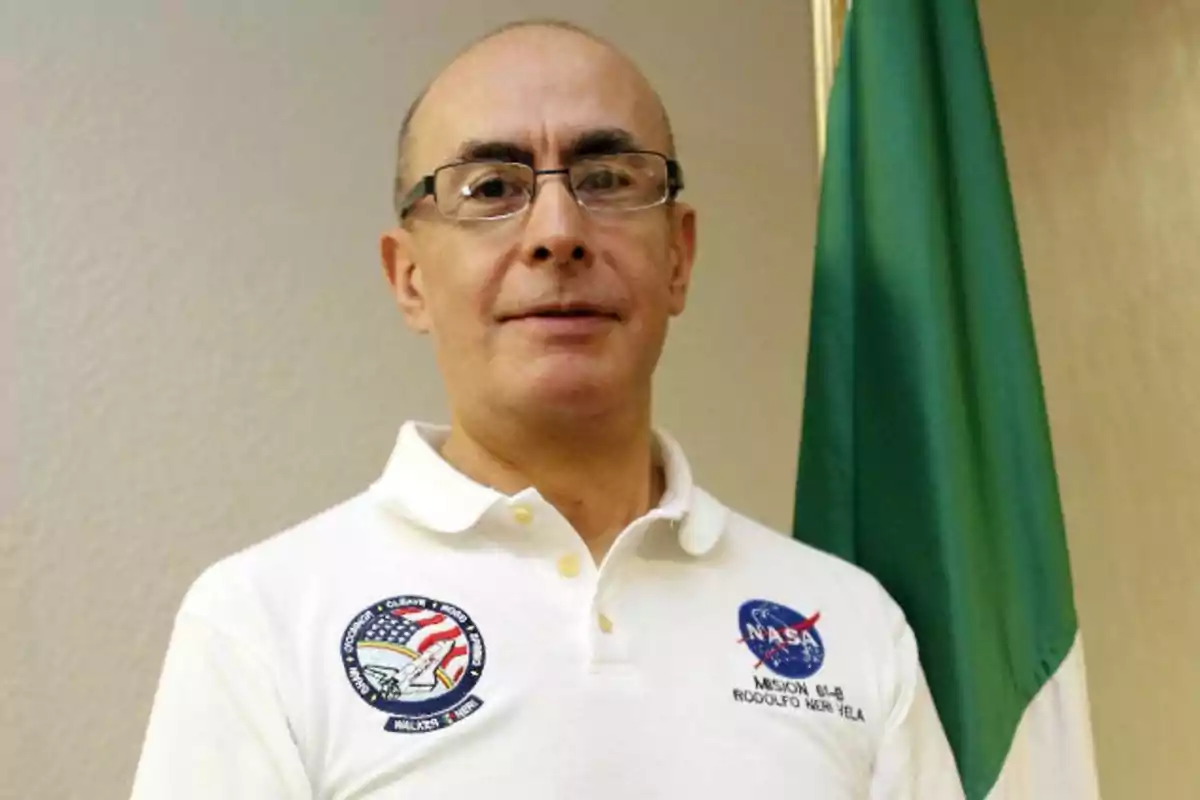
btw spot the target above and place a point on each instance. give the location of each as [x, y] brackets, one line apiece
[419, 629]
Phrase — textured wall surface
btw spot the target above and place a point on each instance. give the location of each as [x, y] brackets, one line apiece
[197, 348]
[1100, 105]
[196, 342]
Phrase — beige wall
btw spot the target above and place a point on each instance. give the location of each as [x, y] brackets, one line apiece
[1100, 105]
[203, 349]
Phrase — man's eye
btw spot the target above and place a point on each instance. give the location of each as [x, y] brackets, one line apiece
[494, 188]
[604, 180]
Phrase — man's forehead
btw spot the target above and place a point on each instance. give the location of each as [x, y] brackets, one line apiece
[540, 89]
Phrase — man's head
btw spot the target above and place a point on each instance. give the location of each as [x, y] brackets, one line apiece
[554, 311]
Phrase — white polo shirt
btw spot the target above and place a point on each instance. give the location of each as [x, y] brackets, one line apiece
[433, 638]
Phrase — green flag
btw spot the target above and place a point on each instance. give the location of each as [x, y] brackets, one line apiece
[926, 453]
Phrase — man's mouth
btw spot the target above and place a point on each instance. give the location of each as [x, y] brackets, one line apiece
[579, 311]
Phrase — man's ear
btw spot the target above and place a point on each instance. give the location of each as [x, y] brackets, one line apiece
[396, 249]
[683, 254]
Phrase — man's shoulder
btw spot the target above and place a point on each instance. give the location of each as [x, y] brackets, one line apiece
[855, 608]
[774, 553]
[280, 563]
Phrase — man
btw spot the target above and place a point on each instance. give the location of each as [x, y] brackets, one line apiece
[536, 601]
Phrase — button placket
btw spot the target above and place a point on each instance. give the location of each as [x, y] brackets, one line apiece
[615, 566]
[607, 633]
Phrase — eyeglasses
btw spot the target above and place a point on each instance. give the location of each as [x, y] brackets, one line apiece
[484, 190]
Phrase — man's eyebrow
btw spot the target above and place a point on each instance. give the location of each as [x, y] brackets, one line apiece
[494, 150]
[601, 142]
[596, 142]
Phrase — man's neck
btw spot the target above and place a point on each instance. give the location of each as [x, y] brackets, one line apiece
[599, 476]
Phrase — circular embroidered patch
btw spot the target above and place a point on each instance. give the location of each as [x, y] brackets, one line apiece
[416, 659]
[784, 641]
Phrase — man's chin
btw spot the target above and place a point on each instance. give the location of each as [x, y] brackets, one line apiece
[569, 394]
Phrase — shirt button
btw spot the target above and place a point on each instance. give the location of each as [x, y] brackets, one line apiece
[522, 514]
[568, 565]
[605, 623]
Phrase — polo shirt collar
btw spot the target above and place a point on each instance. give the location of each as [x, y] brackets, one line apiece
[422, 487]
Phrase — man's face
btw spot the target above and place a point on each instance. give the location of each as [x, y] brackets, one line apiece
[492, 293]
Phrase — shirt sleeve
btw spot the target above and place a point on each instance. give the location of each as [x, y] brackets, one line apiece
[218, 728]
[914, 761]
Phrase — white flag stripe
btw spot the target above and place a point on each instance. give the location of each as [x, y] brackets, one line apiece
[1051, 753]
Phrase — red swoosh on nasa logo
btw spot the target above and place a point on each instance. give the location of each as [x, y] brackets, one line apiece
[799, 626]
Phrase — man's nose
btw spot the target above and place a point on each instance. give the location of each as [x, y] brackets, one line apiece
[554, 230]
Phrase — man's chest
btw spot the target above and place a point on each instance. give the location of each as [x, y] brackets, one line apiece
[435, 686]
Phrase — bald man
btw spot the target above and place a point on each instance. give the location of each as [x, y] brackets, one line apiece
[536, 600]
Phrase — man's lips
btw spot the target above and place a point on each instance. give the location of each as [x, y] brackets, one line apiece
[565, 313]
[575, 324]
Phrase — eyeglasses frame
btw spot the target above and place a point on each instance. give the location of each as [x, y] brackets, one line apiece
[427, 186]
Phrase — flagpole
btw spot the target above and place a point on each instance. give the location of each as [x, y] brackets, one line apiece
[828, 22]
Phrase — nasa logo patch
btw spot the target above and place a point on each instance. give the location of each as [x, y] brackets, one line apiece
[416, 659]
[784, 641]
